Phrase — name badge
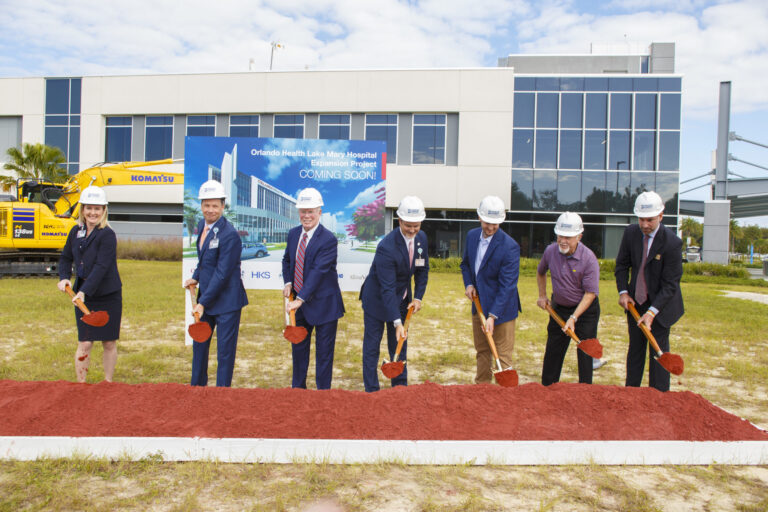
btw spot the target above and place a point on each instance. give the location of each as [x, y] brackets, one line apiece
[419, 262]
[81, 233]
[214, 244]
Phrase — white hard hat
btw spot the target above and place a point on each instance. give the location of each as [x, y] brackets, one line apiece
[93, 195]
[569, 224]
[212, 189]
[648, 204]
[309, 198]
[411, 209]
[491, 210]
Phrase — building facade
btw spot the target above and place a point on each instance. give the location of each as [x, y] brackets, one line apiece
[545, 133]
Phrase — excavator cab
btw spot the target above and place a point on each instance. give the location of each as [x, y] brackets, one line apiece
[38, 191]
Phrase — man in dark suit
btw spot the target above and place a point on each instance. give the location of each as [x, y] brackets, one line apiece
[221, 295]
[386, 291]
[490, 269]
[652, 252]
[309, 271]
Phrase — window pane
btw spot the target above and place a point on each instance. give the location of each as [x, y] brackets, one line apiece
[56, 120]
[334, 118]
[428, 144]
[522, 190]
[523, 110]
[594, 149]
[617, 192]
[595, 84]
[119, 121]
[522, 148]
[289, 132]
[669, 151]
[597, 111]
[201, 131]
[645, 111]
[74, 97]
[201, 120]
[429, 119]
[159, 143]
[667, 184]
[568, 190]
[243, 120]
[670, 111]
[547, 84]
[243, 131]
[546, 149]
[545, 190]
[118, 145]
[619, 156]
[571, 84]
[570, 149]
[333, 132]
[546, 112]
[381, 119]
[645, 156]
[669, 84]
[74, 144]
[621, 108]
[289, 119]
[57, 96]
[387, 134]
[57, 137]
[525, 84]
[159, 120]
[570, 116]
[74, 120]
[620, 84]
[593, 191]
[641, 182]
[646, 84]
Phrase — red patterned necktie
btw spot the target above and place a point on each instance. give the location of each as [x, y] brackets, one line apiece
[298, 274]
[641, 293]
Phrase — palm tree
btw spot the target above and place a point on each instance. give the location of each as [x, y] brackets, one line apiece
[35, 161]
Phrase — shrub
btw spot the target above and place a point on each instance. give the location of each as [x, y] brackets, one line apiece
[153, 249]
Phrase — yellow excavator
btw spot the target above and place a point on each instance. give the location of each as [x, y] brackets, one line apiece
[34, 227]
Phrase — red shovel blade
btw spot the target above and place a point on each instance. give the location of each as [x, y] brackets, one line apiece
[96, 318]
[591, 347]
[392, 370]
[295, 334]
[673, 363]
[200, 331]
[506, 378]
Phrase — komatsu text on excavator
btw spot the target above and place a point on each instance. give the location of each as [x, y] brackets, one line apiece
[34, 227]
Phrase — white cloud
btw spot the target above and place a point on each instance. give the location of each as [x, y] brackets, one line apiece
[366, 196]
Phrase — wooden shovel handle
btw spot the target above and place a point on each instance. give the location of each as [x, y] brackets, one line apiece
[78, 302]
[400, 341]
[191, 289]
[561, 323]
[644, 328]
[488, 336]
[292, 313]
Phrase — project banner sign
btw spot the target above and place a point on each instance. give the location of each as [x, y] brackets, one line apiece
[262, 178]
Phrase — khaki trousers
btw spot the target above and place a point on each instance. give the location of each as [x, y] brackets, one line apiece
[503, 337]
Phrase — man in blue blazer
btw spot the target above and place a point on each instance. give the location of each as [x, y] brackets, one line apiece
[309, 271]
[386, 291]
[654, 287]
[221, 295]
[490, 269]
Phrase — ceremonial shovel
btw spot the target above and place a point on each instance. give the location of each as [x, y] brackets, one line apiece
[673, 363]
[591, 346]
[395, 368]
[198, 331]
[507, 378]
[95, 319]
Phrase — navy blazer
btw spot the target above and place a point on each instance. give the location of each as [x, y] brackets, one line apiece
[496, 280]
[390, 276]
[663, 270]
[95, 258]
[218, 269]
[321, 293]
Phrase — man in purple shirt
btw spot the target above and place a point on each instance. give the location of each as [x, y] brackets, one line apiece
[575, 275]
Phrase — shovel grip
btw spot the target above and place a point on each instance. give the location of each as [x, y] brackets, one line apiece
[644, 328]
[292, 313]
[488, 336]
[561, 323]
[78, 302]
[400, 341]
[191, 289]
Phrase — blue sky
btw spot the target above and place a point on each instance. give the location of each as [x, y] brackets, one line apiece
[715, 41]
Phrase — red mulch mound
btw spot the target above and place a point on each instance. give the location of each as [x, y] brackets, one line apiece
[426, 411]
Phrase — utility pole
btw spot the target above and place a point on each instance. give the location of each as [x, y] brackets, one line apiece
[274, 45]
[723, 127]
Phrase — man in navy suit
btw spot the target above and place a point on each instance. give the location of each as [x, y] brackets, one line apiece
[309, 271]
[386, 291]
[490, 269]
[221, 295]
[652, 251]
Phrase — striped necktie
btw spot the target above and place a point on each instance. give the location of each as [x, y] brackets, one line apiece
[641, 291]
[298, 274]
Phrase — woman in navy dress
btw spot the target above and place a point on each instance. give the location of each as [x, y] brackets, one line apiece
[92, 247]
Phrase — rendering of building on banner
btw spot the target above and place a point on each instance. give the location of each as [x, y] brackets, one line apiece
[546, 133]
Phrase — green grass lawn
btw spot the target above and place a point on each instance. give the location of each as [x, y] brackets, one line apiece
[723, 341]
